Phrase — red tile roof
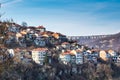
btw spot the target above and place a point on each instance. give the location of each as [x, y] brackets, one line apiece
[65, 53]
[40, 49]
[41, 27]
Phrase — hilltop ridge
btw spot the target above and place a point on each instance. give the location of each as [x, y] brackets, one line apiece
[111, 41]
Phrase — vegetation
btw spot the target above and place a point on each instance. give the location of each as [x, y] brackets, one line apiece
[9, 70]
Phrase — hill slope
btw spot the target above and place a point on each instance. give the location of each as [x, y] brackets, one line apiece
[111, 42]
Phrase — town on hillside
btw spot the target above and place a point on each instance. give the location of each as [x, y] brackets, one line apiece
[37, 45]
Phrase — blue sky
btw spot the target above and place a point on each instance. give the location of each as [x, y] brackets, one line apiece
[70, 17]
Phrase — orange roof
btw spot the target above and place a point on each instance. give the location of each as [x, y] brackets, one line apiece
[40, 49]
[65, 53]
[56, 35]
[45, 35]
[110, 51]
[72, 52]
[18, 35]
[78, 50]
[64, 43]
[23, 32]
[69, 52]
[49, 32]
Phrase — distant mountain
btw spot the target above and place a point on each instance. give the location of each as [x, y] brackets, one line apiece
[110, 42]
[99, 41]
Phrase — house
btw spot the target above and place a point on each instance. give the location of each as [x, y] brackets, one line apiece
[31, 29]
[112, 52]
[79, 57]
[62, 38]
[114, 59]
[11, 52]
[73, 56]
[94, 59]
[49, 57]
[1, 58]
[40, 41]
[65, 57]
[85, 53]
[55, 35]
[41, 29]
[45, 35]
[23, 32]
[11, 39]
[39, 54]
[103, 55]
[1, 39]
[13, 28]
[89, 51]
[30, 36]
[74, 46]
[18, 36]
[66, 45]
[95, 54]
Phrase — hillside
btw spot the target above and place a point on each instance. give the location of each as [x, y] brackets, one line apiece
[34, 53]
[112, 42]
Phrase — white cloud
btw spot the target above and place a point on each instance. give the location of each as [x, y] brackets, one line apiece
[6, 3]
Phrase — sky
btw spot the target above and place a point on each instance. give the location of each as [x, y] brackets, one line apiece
[69, 17]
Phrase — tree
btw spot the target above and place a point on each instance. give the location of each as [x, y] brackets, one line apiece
[24, 24]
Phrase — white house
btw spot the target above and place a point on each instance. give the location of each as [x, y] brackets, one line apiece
[38, 55]
[118, 59]
[11, 52]
[79, 57]
[73, 57]
[65, 57]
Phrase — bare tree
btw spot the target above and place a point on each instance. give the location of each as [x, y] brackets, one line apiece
[24, 24]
